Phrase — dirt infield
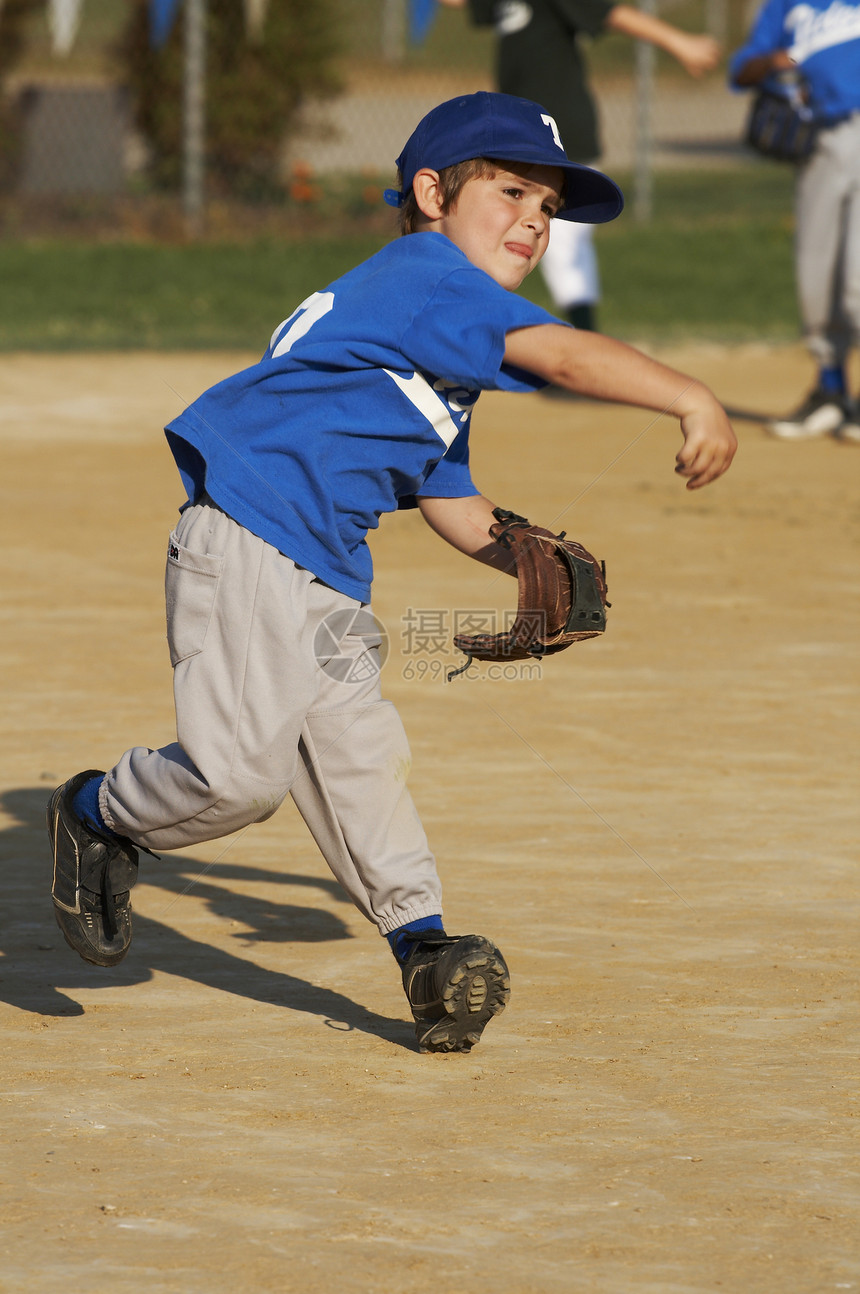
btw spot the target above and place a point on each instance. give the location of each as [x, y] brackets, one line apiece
[660, 831]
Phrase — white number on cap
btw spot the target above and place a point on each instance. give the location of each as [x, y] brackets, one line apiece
[550, 121]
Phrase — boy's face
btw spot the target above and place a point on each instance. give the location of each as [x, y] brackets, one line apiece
[501, 221]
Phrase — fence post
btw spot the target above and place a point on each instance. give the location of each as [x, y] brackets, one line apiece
[717, 20]
[194, 115]
[642, 161]
[394, 31]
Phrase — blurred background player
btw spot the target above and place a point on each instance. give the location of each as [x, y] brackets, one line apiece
[821, 38]
[539, 57]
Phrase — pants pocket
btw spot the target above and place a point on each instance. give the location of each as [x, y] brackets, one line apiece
[190, 585]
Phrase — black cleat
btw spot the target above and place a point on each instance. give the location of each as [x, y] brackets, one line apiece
[92, 878]
[455, 985]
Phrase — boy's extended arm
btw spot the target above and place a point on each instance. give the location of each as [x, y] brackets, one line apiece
[599, 366]
[696, 54]
[465, 524]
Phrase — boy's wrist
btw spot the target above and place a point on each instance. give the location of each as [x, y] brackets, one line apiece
[694, 398]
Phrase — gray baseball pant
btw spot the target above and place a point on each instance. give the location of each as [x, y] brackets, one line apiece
[827, 243]
[276, 686]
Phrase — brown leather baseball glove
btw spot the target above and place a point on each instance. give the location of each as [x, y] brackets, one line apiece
[561, 595]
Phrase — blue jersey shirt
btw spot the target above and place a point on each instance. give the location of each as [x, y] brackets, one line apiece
[361, 402]
[823, 37]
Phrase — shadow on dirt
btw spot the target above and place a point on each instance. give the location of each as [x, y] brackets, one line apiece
[751, 415]
[34, 958]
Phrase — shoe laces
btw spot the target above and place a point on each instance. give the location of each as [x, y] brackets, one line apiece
[111, 925]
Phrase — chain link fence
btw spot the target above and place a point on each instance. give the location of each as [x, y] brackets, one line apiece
[250, 112]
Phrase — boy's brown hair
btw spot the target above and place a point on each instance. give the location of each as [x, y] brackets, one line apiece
[451, 182]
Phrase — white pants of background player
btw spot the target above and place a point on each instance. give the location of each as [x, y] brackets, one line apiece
[569, 265]
[276, 687]
[827, 243]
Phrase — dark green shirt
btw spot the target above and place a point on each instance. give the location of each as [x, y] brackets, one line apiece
[539, 58]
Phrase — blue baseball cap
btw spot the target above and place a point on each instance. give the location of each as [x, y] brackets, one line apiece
[503, 128]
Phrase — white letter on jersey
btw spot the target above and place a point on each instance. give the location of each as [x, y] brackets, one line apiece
[458, 398]
[550, 121]
[420, 393]
[305, 317]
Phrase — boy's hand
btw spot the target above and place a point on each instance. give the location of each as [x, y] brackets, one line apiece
[709, 446]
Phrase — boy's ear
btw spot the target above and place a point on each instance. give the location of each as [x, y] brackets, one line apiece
[428, 195]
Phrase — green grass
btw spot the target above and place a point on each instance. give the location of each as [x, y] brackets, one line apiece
[714, 263]
[720, 284]
[85, 296]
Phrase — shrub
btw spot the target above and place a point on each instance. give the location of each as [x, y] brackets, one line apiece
[254, 89]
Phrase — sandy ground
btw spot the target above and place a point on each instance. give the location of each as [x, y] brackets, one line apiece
[660, 831]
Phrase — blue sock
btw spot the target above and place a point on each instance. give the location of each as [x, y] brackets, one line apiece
[86, 806]
[832, 380]
[400, 938]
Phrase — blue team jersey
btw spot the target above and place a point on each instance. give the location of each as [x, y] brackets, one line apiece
[360, 404]
[823, 37]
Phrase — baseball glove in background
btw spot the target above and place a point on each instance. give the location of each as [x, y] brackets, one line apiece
[561, 595]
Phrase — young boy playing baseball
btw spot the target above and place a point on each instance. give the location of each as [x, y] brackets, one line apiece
[360, 405]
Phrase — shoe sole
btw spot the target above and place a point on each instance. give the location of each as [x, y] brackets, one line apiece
[478, 988]
[85, 951]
